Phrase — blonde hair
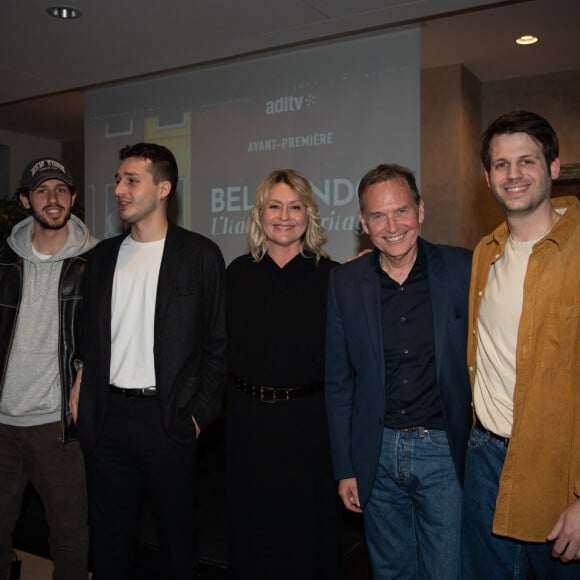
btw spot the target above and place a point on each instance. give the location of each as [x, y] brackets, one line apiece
[313, 238]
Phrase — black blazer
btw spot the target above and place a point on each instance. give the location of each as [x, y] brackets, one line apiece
[189, 341]
[355, 373]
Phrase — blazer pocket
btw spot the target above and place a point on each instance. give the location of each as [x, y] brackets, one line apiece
[183, 291]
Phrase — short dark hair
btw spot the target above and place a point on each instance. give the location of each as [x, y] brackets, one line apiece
[388, 172]
[531, 124]
[164, 166]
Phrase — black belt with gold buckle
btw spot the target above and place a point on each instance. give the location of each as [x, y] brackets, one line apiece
[273, 395]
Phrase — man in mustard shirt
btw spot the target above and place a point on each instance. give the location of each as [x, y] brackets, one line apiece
[522, 475]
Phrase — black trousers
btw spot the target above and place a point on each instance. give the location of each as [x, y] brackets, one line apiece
[135, 459]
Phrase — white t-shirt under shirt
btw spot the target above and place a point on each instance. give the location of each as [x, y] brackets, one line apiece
[133, 313]
[497, 338]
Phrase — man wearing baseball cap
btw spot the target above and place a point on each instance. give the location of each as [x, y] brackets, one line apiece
[41, 269]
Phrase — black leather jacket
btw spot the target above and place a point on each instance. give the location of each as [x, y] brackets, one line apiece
[70, 303]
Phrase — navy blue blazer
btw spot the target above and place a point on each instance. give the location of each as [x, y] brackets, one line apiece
[355, 373]
[189, 335]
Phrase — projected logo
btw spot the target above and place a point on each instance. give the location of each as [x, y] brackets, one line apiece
[289, 104]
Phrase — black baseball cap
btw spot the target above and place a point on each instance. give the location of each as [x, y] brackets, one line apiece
[40, 170]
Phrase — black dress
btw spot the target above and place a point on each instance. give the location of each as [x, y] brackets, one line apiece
[283, 507]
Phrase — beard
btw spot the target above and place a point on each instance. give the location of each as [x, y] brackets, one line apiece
[43, 222]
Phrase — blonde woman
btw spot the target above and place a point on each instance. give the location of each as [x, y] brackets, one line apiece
[283, 509]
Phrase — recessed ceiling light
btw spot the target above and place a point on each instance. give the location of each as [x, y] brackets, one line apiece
[64, 12]
[527, 39]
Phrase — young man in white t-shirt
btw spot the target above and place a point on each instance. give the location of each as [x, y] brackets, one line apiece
[153, 372]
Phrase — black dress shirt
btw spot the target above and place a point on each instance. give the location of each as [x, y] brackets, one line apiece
[412, 394]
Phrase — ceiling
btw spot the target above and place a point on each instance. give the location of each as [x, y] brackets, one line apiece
[45, 64]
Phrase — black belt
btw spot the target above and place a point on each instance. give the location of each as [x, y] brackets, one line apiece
[504, 440]
[144, 392]
[277, 394]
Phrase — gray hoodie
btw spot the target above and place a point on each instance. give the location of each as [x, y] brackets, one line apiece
[31, 394]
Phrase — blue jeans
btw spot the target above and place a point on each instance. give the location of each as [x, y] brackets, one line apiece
[486, 555]
[413, 517]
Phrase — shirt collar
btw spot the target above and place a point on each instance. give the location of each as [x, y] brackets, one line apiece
[567, 206]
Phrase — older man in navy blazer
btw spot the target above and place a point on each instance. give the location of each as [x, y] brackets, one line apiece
[397, 386]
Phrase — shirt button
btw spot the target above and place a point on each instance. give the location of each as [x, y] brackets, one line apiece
[403, 412]
[470, 369]
[403, 319]
[405, 381]
[480, 293]
[473, 332]
[405, 351]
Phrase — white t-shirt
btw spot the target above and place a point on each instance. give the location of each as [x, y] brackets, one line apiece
[133, 313]
[497, 338]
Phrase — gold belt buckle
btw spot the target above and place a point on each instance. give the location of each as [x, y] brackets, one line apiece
[268, 390]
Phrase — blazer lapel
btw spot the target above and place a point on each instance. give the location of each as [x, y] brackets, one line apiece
[170, 263]
[108, 274]
[439, 289]
[370, 296]
[104, 300]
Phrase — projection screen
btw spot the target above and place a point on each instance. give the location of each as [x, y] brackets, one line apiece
[332, 111]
